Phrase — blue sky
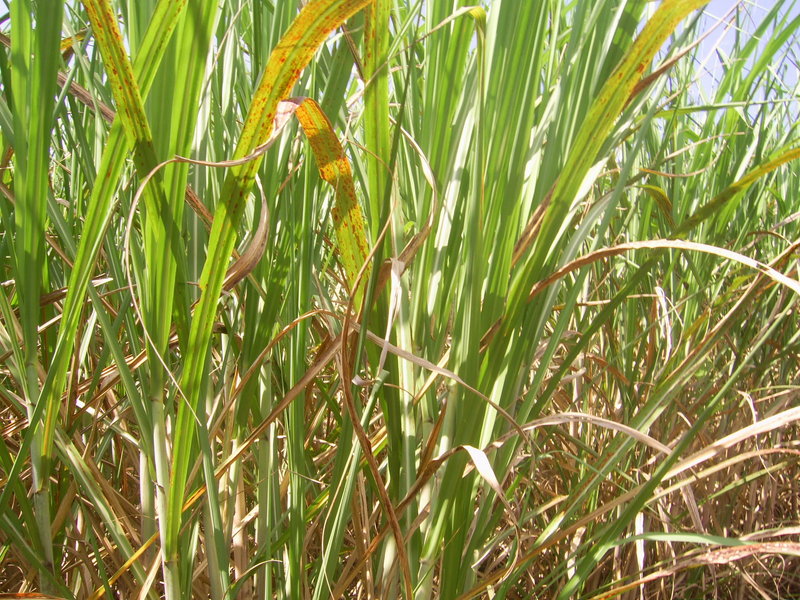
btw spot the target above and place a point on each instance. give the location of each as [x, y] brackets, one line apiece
[754, 10]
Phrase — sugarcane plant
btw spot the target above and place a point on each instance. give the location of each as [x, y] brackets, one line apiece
[376, 299]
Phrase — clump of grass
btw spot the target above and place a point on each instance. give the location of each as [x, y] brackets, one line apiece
[439, 302]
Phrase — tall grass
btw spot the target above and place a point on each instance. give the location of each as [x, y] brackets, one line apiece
[442, 301]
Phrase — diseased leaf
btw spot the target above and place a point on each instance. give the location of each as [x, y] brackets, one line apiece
[317, 19]
[348, 219]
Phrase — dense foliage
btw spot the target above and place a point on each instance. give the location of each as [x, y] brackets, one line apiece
[453, 300]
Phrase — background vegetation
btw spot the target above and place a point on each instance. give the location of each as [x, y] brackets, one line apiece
[513, 313]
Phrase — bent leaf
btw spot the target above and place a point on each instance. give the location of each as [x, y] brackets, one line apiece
[334, 168]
